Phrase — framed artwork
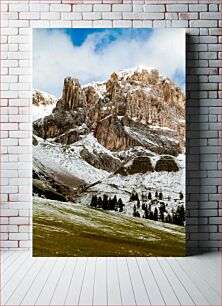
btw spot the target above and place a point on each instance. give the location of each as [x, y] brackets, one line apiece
[109, 142]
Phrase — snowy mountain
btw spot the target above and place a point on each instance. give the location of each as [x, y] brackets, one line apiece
[42, 104]
[126, 133]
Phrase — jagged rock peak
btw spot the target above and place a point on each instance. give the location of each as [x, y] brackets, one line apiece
[73, 95]
[42, 98]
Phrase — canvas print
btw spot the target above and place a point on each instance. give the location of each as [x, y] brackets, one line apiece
[109, 142]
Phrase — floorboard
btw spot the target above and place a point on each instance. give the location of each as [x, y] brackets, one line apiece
[64, 282]
[86, 294]
[168, 292]
[110, 281]
[75, 285]
[100, 283]
[190, 286]
[153, 291]
[48, 290]
[113, 284]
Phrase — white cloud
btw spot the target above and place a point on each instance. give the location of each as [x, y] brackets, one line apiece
[55, 56]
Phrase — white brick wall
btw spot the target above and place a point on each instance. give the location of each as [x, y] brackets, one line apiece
[200, 17]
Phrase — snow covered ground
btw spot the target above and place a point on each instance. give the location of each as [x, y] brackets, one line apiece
[67, 159]
[45, 106]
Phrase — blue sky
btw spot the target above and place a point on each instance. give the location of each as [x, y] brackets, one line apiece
[93, 54]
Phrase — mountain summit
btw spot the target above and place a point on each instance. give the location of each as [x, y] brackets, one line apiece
[134, 107]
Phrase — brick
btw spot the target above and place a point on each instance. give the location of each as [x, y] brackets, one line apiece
[112, 15]
[39, 24]
[215, 220]
[216, 31]
[122, 23]
[187, 16]
[180, 23]
[4, 7]
[215, 63]
[177, 8]
[25, 244]
[60, 8]
[102, 24]
[29, 15]
[51, 15]
[18, 7]
[102, 7]
[37, 7]
[171, 16]
[213, 7]
[24, 229]
[9, 212]
[18, 23]
[146, 23]
[93, 15]
[71, 16]
[197, 7]
[9, 244]
[208, 39]
[215, 78]
[139, 23]
[137, 8]
[60, 24]
[82, 7]
[203, 23]
[18, 236]
[134, 15]
[161, 23]
[154, 8]
[204, 31]
[9, 31]
[207, 16]
[121, 7]
[9, 63]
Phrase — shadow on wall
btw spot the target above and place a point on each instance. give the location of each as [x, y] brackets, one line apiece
[192, 148]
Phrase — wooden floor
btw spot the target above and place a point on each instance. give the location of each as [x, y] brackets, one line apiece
[110, 281]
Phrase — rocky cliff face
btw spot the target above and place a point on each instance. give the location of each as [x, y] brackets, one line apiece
[136, 107]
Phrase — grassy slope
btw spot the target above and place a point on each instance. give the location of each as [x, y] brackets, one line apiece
[65, 229]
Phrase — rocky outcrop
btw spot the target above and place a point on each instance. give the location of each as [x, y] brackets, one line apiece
[72, 96]
[122, 133]
[65, 126]
[101, 161]
[140, 164]
[123, 112]
[166, 163]
[111, 133]
[41, 98]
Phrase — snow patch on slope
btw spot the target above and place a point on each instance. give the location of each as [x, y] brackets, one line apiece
[43, 107]
[67, 159]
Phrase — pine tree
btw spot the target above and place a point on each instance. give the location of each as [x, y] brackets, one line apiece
[120, 205]
[137, 214]
[179, 215]
[138, 203]
[146, 213]
[105, 202]
[94, 201]
[160, 196]
[115, 200]
[99, 202]
[143, 206]
[156, 194]
[168, 218]
[161, 213]
[155, 215]
[151, 215]
[149, 196]
[181, 195]
[134, 210]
